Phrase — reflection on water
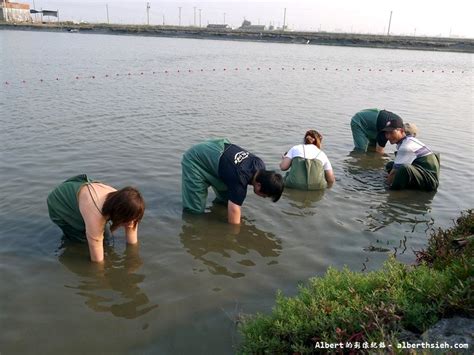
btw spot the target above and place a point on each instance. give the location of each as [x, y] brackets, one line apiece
[365, 171]
[409, 207]
[406, 208]
[111, 287]
[302, 201]
[222, 247]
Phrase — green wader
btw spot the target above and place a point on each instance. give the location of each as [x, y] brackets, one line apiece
[306, 174]
[364, 129]
[422, 174]
[200, 169]
[63, 207]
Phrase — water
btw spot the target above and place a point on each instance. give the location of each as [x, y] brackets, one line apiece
[185, 287]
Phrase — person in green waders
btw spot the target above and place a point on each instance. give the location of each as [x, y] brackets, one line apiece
[82, 208]
[229, 170]
[415, 165]
[310, 167]
[366, 126]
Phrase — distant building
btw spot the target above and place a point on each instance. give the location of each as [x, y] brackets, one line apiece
[14, 12]
[218, 26]
[247, 25]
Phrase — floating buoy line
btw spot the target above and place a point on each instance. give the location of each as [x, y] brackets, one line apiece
[214, 70]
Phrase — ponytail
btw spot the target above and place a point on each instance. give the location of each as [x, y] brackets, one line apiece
[313, 137]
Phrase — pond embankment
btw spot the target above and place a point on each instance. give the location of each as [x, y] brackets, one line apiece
[318, 38]
[398, 307]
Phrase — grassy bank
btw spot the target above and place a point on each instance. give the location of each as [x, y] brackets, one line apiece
[319, 38]
[345, 306]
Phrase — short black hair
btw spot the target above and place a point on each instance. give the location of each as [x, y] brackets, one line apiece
[271, 183]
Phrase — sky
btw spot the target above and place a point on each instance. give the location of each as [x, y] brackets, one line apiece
[452, 18]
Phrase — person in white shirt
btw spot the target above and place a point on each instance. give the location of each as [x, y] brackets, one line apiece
[415, 165]
[310, 168]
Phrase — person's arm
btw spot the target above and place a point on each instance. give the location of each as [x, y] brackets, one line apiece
[285, 163]
[390, 176]
[131, 233]
[132, 258]
[233, 213]
[379, 149]
[328, 172]
[95, 226]
[329, 176]
[96, 248]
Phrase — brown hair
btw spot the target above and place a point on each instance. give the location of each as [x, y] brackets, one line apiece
[313, 137]
[124, 206]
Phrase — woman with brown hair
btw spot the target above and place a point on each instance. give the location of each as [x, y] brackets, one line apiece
[310, 167]
[82, 208]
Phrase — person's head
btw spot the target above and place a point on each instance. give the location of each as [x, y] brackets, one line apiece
[124, 207]
[394, 130]
[313, 137]
[410, 129]
[268, 184]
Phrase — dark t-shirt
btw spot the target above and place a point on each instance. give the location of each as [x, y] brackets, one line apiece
[236, 169]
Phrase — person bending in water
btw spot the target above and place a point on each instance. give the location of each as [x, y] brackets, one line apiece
[310, 167]
[228, 169]
[415, 165]
[82, 208]
[366, 128]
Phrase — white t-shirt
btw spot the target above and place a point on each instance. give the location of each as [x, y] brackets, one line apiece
[409, 149]
[309, 151]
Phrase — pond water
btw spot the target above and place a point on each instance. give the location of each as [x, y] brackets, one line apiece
[191, 278]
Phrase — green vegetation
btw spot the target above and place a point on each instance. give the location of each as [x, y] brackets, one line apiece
[444, 246]
[345, 306]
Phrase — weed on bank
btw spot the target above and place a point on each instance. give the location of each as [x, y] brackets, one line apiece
[375, 307]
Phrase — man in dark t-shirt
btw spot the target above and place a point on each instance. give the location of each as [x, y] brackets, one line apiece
[228, 169]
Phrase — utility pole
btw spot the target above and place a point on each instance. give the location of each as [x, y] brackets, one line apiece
[389, 23]
[284, 19]
[107, 9]
[224, 18]
[163, 20]
[179, 22]
[200, 17]
[148, 13]
[5, 11]
[34, 6]
[194, 16]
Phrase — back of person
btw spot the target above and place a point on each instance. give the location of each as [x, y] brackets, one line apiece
[64, 210]
[306, 174]
[308, 165]
[366, 126]
[237, 166]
